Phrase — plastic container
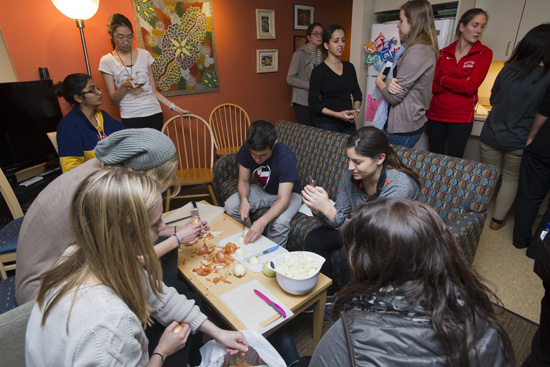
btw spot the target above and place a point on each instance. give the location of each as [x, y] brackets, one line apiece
[296, 286]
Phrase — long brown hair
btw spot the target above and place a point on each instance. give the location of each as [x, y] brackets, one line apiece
[110, 221]
[532, 50]
[370, 142]
[404, 244]
[467, 17]
[420, 16]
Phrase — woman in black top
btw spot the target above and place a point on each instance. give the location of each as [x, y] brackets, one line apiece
[333, 84]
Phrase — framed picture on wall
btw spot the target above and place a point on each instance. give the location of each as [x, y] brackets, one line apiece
[299, 41]
[265, 24]
[303, 16]
[267, 61]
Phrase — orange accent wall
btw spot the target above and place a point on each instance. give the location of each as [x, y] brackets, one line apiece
[38, 35]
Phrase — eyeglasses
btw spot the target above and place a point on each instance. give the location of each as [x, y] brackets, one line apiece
[94, 89]
[316, 33]
[125, 38]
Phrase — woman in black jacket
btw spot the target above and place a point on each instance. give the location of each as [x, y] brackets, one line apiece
[413, 300]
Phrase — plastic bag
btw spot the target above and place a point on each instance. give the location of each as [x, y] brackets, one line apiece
[260, 353]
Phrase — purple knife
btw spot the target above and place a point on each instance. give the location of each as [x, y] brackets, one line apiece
[275, 306]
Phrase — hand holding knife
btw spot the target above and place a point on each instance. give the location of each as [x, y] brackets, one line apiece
[195, 210]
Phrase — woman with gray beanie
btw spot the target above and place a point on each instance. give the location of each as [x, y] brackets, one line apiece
[45, 232]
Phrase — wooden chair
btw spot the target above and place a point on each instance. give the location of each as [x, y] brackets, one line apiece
[10, 232]
[53, 139]
[194, 143]
[229, 123]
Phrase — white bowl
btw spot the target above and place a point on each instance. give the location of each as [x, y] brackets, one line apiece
[296, 286]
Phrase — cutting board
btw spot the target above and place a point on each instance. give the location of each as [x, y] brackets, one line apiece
[261, 244]
[250, 309]
[207, 213]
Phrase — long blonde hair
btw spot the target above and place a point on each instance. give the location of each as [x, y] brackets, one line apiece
[110, 220]
[164, 174]
[420, 16]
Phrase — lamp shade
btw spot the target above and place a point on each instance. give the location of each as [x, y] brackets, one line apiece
[77, 9]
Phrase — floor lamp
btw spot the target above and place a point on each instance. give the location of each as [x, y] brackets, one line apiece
[79, 10]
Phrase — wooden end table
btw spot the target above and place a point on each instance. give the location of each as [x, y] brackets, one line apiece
[188, 259]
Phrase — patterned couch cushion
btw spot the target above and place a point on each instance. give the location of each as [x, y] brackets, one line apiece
[459, 190]
[451, 185]
[320, 153]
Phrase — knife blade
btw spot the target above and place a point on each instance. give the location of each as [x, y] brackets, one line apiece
[271, 249]
[195, 210]
[275, 306]
[177, 219]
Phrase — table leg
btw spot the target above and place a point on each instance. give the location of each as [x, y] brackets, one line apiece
[318, 316]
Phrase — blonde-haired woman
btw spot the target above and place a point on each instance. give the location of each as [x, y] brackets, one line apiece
[93, 304]
[410, 90]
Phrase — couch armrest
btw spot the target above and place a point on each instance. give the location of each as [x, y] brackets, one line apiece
[225, 169]
[467, 231]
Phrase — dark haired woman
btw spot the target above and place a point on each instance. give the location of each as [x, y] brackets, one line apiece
[304, 60]
[331, 85]
[374, 171]
[80, 130]
[412, 300]
[129, 79]
[410, 90]
[459, 72]
[518, 90]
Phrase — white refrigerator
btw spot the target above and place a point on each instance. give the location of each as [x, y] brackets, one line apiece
[445, 36]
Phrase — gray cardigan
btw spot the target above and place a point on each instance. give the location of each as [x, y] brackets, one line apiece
[350, 195]
[100, 329]
[299, 73]
[415, 73]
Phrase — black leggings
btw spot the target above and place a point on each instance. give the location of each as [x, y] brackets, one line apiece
[154, 122]
[304, 115]
[324, 241]
[455, 135]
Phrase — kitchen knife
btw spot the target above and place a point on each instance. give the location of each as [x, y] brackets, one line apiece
[271, 249]
[195, 210]
[275, 306]
[177, 219]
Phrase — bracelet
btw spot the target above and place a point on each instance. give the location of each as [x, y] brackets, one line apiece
[358, 110]
[172, 106]
[179, 242]
[160, 355]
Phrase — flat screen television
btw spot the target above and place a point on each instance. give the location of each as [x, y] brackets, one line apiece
[28, 111]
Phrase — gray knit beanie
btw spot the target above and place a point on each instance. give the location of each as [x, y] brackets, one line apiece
[137, 148]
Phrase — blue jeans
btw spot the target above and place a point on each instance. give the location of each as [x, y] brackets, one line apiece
[407, 141]
[346, 127]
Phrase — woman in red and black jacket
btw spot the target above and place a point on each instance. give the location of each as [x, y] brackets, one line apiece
[459, 72]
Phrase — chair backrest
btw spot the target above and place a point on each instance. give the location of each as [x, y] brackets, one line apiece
[53, 139]
[229, 123]
[193, 139]
[9, 197]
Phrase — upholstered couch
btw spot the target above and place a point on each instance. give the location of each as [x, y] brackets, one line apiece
[459, 190]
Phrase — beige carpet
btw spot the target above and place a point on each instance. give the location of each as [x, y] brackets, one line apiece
[507, 271]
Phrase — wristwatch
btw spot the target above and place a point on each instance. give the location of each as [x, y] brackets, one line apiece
[357, 109]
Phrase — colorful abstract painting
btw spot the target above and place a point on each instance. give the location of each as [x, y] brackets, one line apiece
[179, 34]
